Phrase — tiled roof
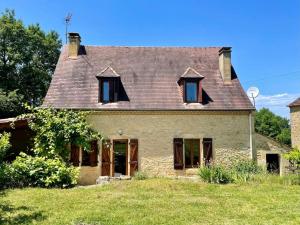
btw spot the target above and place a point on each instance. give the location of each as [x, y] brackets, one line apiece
[295, 103]
[150, 78]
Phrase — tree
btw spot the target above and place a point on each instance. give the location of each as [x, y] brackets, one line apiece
[10, 104]
[271, 125]
[28, 57]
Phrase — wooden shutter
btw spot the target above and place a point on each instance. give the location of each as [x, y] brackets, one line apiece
[100, 95]
[199, 91]
[106, 160]
[178, 153]
[207, 151]
[133, 156]
[74, 159]
[94, 153]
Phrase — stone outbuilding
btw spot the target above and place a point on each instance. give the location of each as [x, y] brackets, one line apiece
[270, 154]
[295, 122]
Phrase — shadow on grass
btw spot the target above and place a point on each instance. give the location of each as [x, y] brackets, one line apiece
[13, 215]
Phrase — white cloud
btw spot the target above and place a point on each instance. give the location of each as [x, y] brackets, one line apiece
[276, 103]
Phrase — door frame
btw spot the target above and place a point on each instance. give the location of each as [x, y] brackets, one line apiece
[126, 142]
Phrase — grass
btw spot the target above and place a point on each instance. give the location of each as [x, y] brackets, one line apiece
[154, 201]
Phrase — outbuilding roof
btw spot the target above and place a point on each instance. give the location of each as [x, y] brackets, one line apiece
[150, 78]
[295, 103]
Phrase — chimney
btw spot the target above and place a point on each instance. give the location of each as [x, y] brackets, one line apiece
[225, 64]
[74, 44]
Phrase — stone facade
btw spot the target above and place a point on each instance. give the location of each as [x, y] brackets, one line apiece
[155, 131]
[295, 125]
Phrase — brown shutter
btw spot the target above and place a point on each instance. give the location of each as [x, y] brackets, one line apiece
[94, 153]
[207, 151]
[106, 160]
[74, 155]
[100, 99]
[111, 89]
[178, 153]
[133, 156]
[200, 91]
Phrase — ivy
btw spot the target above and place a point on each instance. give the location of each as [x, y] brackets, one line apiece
[55, 129]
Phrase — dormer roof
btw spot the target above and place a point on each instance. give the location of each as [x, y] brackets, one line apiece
[108, 72]
[191, 73]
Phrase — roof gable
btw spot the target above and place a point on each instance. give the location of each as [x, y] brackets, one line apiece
[108, 72]
[191, 73]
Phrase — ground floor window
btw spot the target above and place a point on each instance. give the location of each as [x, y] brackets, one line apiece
[88, 158]
[192, 153]
[188, 153]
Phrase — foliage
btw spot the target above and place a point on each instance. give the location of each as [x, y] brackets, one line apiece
[55, 129]
[216, 174]
[140, 176]
[4, 145]
[10, 104]
[268, 178]
[28, 59]
[271, 125]
[40, 172]
[293, 156]
[244, 170]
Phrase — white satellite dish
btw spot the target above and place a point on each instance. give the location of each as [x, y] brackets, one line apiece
[252, 93]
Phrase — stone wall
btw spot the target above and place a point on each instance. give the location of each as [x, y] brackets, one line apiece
[155, 131]
[295, 126]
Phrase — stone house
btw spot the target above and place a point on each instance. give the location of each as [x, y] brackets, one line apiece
[295, 122]
[163, 110]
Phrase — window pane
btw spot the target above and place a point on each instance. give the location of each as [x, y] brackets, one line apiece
[187, 155]
[191, 91]
[196, 153]
[105, 91]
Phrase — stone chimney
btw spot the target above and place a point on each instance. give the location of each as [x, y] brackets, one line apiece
[74, 45]
[225, 64]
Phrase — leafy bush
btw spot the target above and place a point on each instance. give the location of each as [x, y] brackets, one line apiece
[293, 156]
[4, 145]
[216, 174]
[41, 172]
[245, 169]
[140, 176]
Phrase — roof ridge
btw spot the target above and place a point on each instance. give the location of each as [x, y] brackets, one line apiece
[136, 46]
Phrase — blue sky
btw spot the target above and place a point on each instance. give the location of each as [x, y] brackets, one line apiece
[264, 35]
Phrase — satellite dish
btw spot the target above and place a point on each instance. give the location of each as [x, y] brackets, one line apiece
[252, 92]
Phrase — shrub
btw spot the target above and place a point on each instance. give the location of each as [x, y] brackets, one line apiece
[216, 174]
[140, 176]
[4, 145]
[41, 172]
[245, 169]
[294, 157]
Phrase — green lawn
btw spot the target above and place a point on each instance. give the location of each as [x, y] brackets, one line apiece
[154, 201]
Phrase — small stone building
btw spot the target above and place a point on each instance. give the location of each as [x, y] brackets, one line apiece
[295, 122]
[270, 154]
[163, 110]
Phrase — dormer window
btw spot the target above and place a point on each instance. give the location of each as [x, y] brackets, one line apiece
[105, 91]
[110, 86]
[190, 83]
[191, 91]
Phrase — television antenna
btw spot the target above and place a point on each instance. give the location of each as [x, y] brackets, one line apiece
[252, 93]
[67, 23]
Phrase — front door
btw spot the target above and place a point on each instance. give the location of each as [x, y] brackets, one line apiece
[106, 158]
[120, 158]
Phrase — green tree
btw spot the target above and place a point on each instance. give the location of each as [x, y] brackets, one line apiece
[271, 125]
[28, 57]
